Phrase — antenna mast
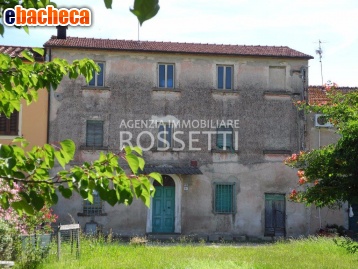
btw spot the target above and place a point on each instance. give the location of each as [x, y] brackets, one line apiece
[320, 52]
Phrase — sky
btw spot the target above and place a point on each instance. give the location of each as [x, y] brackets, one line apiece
[296, 24]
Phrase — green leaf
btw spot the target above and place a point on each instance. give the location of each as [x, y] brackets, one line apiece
[157, 177]
[36, 200]
[128, 149]
[133, 162]
[68, 149]
[108, 3]
[21, 140]
[26, 29]
[39, 51]
[28, 55]
[54, 198]
[67, 193]
[112, 197]
[6, 151]
[145, 9]
[138, 150]
[2, 29]
[61, 160]
[141, 163]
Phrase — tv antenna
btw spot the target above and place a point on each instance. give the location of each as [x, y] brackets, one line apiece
[319, 51]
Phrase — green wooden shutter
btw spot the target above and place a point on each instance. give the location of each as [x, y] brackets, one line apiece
[94, 133]
[224, 198]
[9, 126]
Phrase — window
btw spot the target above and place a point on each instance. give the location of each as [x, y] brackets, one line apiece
[224, 198]
[9, 126]
[165, 132]
[94, 133]
[224, 138]
[166, 75]
[225, 74]
[275, 214]
[94, 209]
[98, 79]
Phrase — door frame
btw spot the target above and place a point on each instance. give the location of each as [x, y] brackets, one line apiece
[177, 211]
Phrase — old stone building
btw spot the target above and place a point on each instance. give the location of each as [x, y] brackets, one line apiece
[216, 120]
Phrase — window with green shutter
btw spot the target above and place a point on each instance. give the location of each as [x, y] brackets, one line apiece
[224, 138]
[94, 133]
[224, 198]
[9, 126]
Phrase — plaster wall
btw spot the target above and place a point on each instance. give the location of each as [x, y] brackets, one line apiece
[269, 129]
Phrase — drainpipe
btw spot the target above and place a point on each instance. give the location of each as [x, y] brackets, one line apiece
[49, 59]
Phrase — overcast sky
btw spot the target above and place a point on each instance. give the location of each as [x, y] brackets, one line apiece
[297, 24]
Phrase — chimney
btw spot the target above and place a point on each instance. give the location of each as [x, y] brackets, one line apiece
[61, 32]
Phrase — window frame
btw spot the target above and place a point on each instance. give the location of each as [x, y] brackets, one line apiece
[224, 84]
[94, 144]
[95, 209]
[8, 132]
[95, 76]
[224, 127]
[171, 144]
[166, 76]
[232, 209]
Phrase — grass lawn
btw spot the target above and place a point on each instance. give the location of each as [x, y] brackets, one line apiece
[304, 253]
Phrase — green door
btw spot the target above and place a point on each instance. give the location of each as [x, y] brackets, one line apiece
[163, 209]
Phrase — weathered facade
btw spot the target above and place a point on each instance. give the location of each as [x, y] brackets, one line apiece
[184, 95]
[31, 121]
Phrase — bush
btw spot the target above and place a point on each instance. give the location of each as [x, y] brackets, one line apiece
[7, 241]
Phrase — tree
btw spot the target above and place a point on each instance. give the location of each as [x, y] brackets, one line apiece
[329, 175]
[31, 171]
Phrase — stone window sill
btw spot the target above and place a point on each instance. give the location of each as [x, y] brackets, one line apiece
[98, 88]
[156, 89]
[84, 147]
[225, 92]
[80, 214]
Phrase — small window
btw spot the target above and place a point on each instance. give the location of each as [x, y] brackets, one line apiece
[94, 209]
[98, 78]
[225, 74]
[165, 132]
[94, 133]
[9, 126]
[224, 138]
[224, 198]
[166, 75]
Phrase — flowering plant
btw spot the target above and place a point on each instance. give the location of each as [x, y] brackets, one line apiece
[25, 223]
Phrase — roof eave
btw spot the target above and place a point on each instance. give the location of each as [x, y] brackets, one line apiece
[308, 57]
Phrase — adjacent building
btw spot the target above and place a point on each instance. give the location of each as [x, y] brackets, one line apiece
[31, 121]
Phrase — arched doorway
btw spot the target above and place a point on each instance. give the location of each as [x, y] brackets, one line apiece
[163, 203]
[169, 181]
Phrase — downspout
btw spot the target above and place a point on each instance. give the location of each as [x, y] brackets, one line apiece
[49, 59]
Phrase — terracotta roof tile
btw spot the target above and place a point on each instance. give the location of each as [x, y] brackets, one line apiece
[15, 51]
[317, 94]
[172, 47]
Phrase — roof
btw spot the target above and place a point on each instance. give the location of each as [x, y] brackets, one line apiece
[15, 51]
[173, 170]
[173, 47]
[317, 94]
